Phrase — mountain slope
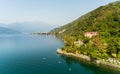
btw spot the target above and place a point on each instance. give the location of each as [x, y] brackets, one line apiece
[103, 23]
[8, 31]
[100, 19]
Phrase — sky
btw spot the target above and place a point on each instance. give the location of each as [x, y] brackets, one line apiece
[56, 12]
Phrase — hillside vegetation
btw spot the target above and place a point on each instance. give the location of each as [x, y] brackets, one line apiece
[104, 20]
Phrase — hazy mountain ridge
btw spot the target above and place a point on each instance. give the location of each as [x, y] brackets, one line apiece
[25, 27]
[29, 27]
[4, 30]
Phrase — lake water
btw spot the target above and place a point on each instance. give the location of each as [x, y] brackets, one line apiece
[27, 54]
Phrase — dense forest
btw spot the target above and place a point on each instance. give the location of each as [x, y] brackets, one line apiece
[103, 24]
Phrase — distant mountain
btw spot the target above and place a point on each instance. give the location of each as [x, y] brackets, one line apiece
[7, 31]
[29, 27]
[3, 25]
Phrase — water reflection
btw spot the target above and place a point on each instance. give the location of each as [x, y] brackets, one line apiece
[37, 55]
[89, 66]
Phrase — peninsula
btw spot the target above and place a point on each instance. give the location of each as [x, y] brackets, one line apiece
[94, 36]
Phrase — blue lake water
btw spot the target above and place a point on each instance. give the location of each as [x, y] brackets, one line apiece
[28, 54]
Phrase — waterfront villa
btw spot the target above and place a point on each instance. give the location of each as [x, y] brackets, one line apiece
[90, 34]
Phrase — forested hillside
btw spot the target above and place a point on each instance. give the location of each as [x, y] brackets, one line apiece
[105, 22]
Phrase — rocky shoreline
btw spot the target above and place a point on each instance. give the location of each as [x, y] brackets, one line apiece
[106, 62]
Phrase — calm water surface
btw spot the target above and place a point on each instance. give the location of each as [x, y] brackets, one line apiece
[27, 54]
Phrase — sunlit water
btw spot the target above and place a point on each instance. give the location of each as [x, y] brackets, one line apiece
[27, 54]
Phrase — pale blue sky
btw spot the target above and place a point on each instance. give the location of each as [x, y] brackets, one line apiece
[57, 12]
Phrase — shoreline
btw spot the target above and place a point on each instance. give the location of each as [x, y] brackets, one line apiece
[88, 59]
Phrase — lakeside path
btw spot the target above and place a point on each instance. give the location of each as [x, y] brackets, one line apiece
[88, 59]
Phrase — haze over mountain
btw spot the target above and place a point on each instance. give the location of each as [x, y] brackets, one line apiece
[4, 30]
[29, 27]
[3, 25]
[26, 27]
